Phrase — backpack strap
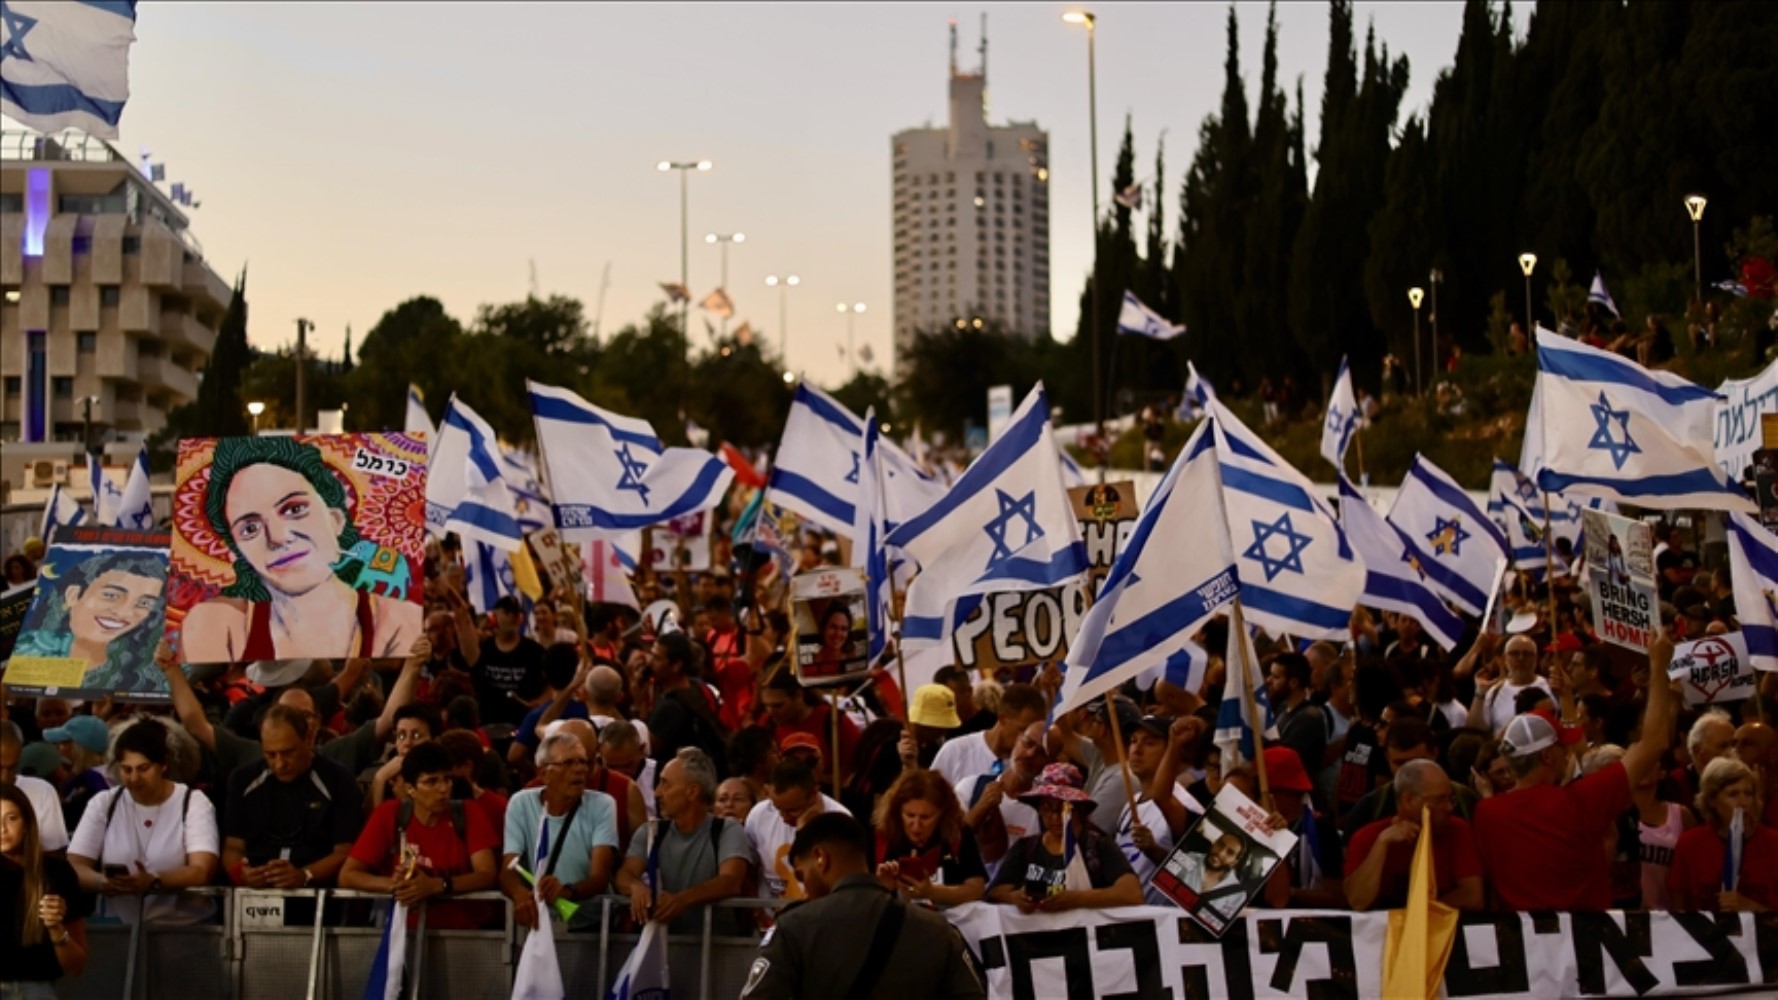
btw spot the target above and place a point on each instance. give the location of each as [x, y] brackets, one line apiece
[111, 807]
[716, 825]
[882, 942]
[555, 851]
[460, 823]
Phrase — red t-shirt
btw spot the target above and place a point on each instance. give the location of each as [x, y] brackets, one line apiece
[1454, 858]
[441, 853]
[734, 677]
[493, 806]
[1544, 848]
[818, 725]
[1696, 875]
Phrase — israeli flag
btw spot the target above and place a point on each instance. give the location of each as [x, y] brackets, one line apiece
[1199, 394]
[1614, 429]
[66, 65]
[1531, 448]
[1342, 420]
[1136, 318]
[1449, 540]
[1753, 570]
[418, 421]
[610, 474]
[1598, 294]
[819, 459]
[61, 510]
[1236, 721]
[1298, 573]
[386, 969]
[645, 974]
[1392, 581]
[868, 552]
[135, 508]
[1516, 508]
[1072, 474]
[1158, 592]
[530, 501]
[1007, 525]
[465, 491]
[488, 575]
[1184, 669]
[107, 498]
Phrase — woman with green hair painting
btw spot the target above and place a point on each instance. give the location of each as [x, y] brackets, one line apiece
[298, 560]
[94, 603]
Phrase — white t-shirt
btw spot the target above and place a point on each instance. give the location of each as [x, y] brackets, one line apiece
[964, 757]
[1156, 821]
[52, 832]
[1497, 707]
[1456, 713]
[646, 781]
[1020, 819]
[159, 837]
[771, 838]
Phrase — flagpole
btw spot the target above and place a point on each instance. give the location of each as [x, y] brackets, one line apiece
[1239, 624]
[1123, 758]
[1549, 565]
[833, 695]
[1358, 441]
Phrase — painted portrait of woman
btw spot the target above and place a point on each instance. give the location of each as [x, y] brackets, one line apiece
[91, 610]
[305, 580]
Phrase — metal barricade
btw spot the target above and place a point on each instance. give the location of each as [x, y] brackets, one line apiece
[137, 961]
[705, 965]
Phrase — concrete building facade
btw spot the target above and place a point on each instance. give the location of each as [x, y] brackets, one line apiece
[971, 219]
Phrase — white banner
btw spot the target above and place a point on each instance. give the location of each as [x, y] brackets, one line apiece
[1159, 952]
[1737, 418]
[1715, 669]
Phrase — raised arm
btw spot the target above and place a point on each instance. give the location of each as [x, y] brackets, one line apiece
[185, 700]
[403, 691]
[1644, 756]
[1186, 731]
[469, 641]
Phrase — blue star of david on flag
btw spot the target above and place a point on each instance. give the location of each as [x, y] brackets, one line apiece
[1291, 560]
[633, 472]
[1413, 561]
[1025, 508]
[17, 27]
[1447, 536]
[852, 477]
[1602, 440]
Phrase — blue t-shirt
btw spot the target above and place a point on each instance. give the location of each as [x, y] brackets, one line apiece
[595, 825]
[526, 735]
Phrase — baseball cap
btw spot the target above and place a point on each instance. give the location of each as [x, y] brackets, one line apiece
[1534, 731]
[1128, 715]
[39, 760]
[1284, 770]
[802, 741]
[82, 730]
[1159, 725]
[934, 705]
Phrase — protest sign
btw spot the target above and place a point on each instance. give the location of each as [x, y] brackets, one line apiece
[1034, 626]
[554, 557]
[1714, 670]
[1739, 419]
[1621, 577]
[305, 546]
[828, 615]
[1222, 861]
[95, 618]
[1147, 951]
[13, 604]
[681, 543]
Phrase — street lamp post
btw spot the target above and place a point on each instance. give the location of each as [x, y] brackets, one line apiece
[851, 312]
[254, 409]
[783, 285]
[1086, 17]
[1414, 296]
[684, 168]
[1434, 279]
[303, 327]
[1694, 207]
[1527, 264]
[723, 240]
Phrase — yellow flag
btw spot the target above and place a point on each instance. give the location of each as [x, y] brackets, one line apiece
[1420, 936]
[524, 573]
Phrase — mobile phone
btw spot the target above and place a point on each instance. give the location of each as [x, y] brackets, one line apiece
[117, 871]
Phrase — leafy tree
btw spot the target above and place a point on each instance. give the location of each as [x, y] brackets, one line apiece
[866, 390]
[414, 342]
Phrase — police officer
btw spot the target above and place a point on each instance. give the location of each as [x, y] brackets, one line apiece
[819, 950]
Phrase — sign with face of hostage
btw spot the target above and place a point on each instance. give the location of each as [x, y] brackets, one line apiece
[1014, 629]
[1223, 861]
[311, 546]
[1621, 577]
[96, 618]
[828, 614]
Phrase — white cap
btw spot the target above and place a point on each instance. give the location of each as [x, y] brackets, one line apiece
[1534, 731]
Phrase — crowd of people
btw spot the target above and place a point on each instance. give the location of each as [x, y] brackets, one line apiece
[568, 750]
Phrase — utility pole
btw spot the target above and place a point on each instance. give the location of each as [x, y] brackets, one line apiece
[303, 327]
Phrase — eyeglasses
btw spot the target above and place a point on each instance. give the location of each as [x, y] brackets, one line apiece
[410, 737]
[573, 762]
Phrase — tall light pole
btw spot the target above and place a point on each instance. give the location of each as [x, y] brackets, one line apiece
[783, 285]
[1086, 17]
[1527, 264]
[254, 409]
[303, 327]
[685, 168]
[1434, 279]
[723, 240]
[851, 312]
[1694, 207]
[1414, 296]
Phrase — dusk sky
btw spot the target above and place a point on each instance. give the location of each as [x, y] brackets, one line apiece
[355, 155]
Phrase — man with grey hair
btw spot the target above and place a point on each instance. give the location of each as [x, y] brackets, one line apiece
[1712, 735]
[44, 802]
[1493, 706]
[1380, 857]
[1540, 843]
[622, 750]
[564, 834]
[695, 857]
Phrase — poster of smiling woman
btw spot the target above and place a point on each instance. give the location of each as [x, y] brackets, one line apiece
[297, 547]
[93, 624]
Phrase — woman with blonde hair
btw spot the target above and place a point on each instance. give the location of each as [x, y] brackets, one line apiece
[44, 936]
[1702, 876]
[924, 849]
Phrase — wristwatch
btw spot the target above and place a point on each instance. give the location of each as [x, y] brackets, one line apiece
[308, 878]
[58, 942]
[449, 888]
[155, 886]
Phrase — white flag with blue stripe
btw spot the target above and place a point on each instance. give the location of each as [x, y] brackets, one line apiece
[1007, 525]
[1136, 318]
[1516, 508]
[1158, 592]
[530, 501]
[1598, 293]
[61, 510]
[1614, 429]
[610, 474]
[66, 63]
[1342, 420]
[107, 498]
[488, 575]
[1072, 474]
[1449, 539]
[1198, 395]
[465, 489]
[1392, 579]
[384, 982]
[1298, 574]
[645, 974]
[819, 459]
[135, 508]
[1235, 719]
[1753, 571]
